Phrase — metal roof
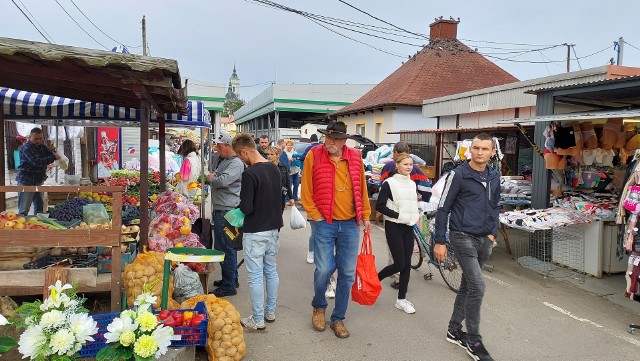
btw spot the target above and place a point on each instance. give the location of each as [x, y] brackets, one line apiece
[456, 130]
[92, 75]
[632, 113]
[584, 85]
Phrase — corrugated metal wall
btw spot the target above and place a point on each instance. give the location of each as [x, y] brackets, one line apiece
[423, 145]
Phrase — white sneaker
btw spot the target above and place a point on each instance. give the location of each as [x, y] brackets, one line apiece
[405, 305]
[309, 257]
[330, 293]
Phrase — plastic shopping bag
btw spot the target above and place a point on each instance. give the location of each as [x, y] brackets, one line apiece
[367, 287]
[297, 221]
[235, 217]
[63, 162]
[186, 283]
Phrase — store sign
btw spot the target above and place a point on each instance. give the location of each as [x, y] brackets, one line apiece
[108, 156]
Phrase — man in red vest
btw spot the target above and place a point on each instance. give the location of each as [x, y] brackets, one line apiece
[334, 195]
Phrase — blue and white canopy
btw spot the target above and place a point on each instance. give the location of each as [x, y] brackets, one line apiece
[22, 106]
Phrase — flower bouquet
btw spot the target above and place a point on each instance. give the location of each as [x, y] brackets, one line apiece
[57, 328]
[136, 334]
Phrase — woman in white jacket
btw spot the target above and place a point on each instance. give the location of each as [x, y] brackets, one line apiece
[398, 202]
[191, 167]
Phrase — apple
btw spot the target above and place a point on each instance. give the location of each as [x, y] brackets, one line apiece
[10, 215]
[32, 220]
[20, 219]
[9, 224]
[18, 225]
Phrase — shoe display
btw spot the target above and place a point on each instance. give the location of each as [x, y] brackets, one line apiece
[457, 338]
[339, 329]
[249, 322]
[309, 257]
[219, 292]
[318, 320]
[270, 316]
[218, 283]
[395, 285]
[476, 350]
[405, 305]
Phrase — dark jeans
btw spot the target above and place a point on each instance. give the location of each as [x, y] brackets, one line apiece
[400, 241]
[472, 252]
[295, 183]
[221, 242]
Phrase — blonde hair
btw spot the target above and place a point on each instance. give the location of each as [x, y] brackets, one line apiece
[275, 150]
[289, 142]
[402, 156]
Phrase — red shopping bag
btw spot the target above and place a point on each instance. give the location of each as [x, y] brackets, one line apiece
[367, 287]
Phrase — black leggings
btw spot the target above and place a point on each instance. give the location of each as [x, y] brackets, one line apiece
[400, 240]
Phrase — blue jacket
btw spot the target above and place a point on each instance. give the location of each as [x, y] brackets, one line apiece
[472, 207]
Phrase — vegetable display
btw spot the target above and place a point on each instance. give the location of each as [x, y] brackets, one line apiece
[146, 269]
[70, 210]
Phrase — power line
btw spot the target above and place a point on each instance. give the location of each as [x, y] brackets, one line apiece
[74, 20]
[631, 45]
[502, 43]
[383, 21]
[34, 25]
[36, 20]
[573, 47]
[96, 26]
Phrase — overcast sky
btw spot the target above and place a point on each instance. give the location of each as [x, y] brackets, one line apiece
[267, 45]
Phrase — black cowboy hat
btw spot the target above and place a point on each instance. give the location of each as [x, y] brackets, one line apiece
[336, 130]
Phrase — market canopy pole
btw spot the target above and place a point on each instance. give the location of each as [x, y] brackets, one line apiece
[3, 196]
[147, 105]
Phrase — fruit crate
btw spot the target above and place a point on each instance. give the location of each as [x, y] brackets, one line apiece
[190, 336]
[104, 265]
[77, 261]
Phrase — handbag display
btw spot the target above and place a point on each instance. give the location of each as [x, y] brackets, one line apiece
[367, 287]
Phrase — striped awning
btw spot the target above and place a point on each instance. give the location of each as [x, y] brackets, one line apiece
[23, 106]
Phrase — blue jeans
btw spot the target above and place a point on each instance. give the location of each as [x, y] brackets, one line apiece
[221, 242]
[260, 251]
[472, 253]
[343, 237]
[295, 182]
[25, 199]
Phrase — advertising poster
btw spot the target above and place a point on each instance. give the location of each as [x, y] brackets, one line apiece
[108, 150]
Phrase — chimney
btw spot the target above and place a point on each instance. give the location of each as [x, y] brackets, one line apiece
[443, 29]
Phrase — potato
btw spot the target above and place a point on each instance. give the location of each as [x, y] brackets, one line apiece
[218, 324]
[236, 341]
[220, 352]
[92, 249]
[225, 358]
[226, 338]
[57, 251]
[234, 333]
[231, 351]
[242, 348]
[149, 271]
[228, 320]
[226, 329]
[217, 335]
[216, 344]
[225, 345]
[238, 356]
[83, 250]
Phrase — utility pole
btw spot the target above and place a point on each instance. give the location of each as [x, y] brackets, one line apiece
[144, 36]
[568, 55]
[620, 45]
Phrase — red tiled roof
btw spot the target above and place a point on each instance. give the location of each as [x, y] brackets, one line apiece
[443, 67]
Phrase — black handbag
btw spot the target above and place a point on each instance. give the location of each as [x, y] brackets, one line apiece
[202, 227]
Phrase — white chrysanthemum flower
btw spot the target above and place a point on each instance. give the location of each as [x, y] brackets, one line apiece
[3, 320]
[144, 301]
[163, 336]
[62, 341]
[118, 326]
[83, 327]
[31, 342]
[128, 314]
[52, 319]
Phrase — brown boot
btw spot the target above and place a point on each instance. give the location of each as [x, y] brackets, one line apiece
[339, 329]
[318, 320]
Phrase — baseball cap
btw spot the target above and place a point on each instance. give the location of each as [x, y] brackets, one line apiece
[224, 138]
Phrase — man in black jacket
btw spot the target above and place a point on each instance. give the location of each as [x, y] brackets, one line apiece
[470, 200]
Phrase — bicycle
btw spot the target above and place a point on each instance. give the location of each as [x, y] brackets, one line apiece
[449, 269]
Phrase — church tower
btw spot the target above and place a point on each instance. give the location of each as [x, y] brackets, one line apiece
[234, 83]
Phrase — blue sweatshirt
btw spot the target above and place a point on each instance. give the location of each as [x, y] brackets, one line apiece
[472, 200]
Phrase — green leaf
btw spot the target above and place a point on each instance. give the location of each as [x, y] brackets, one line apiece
[114, 353]
[6, 344]
[138, 358]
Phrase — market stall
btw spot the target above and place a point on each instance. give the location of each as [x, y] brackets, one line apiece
[579, 177]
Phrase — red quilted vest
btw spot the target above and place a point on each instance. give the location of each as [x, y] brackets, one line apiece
[324, 180]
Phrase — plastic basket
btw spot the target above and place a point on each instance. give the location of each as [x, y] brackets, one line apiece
[190, 336]
[91, 348]
[77, 261]
[193, 336]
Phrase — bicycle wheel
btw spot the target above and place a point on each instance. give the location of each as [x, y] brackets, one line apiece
[450, 270]
[417, 255]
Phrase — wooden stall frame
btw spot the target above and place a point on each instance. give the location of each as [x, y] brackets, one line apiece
[71, 238]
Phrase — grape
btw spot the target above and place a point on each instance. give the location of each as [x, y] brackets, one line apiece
[71, 209]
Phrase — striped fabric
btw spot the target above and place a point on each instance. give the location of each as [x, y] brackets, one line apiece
[47, 109]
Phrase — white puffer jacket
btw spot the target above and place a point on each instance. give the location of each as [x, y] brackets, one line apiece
[405, 201]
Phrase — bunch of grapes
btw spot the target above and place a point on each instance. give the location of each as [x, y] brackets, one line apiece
[70, 209]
